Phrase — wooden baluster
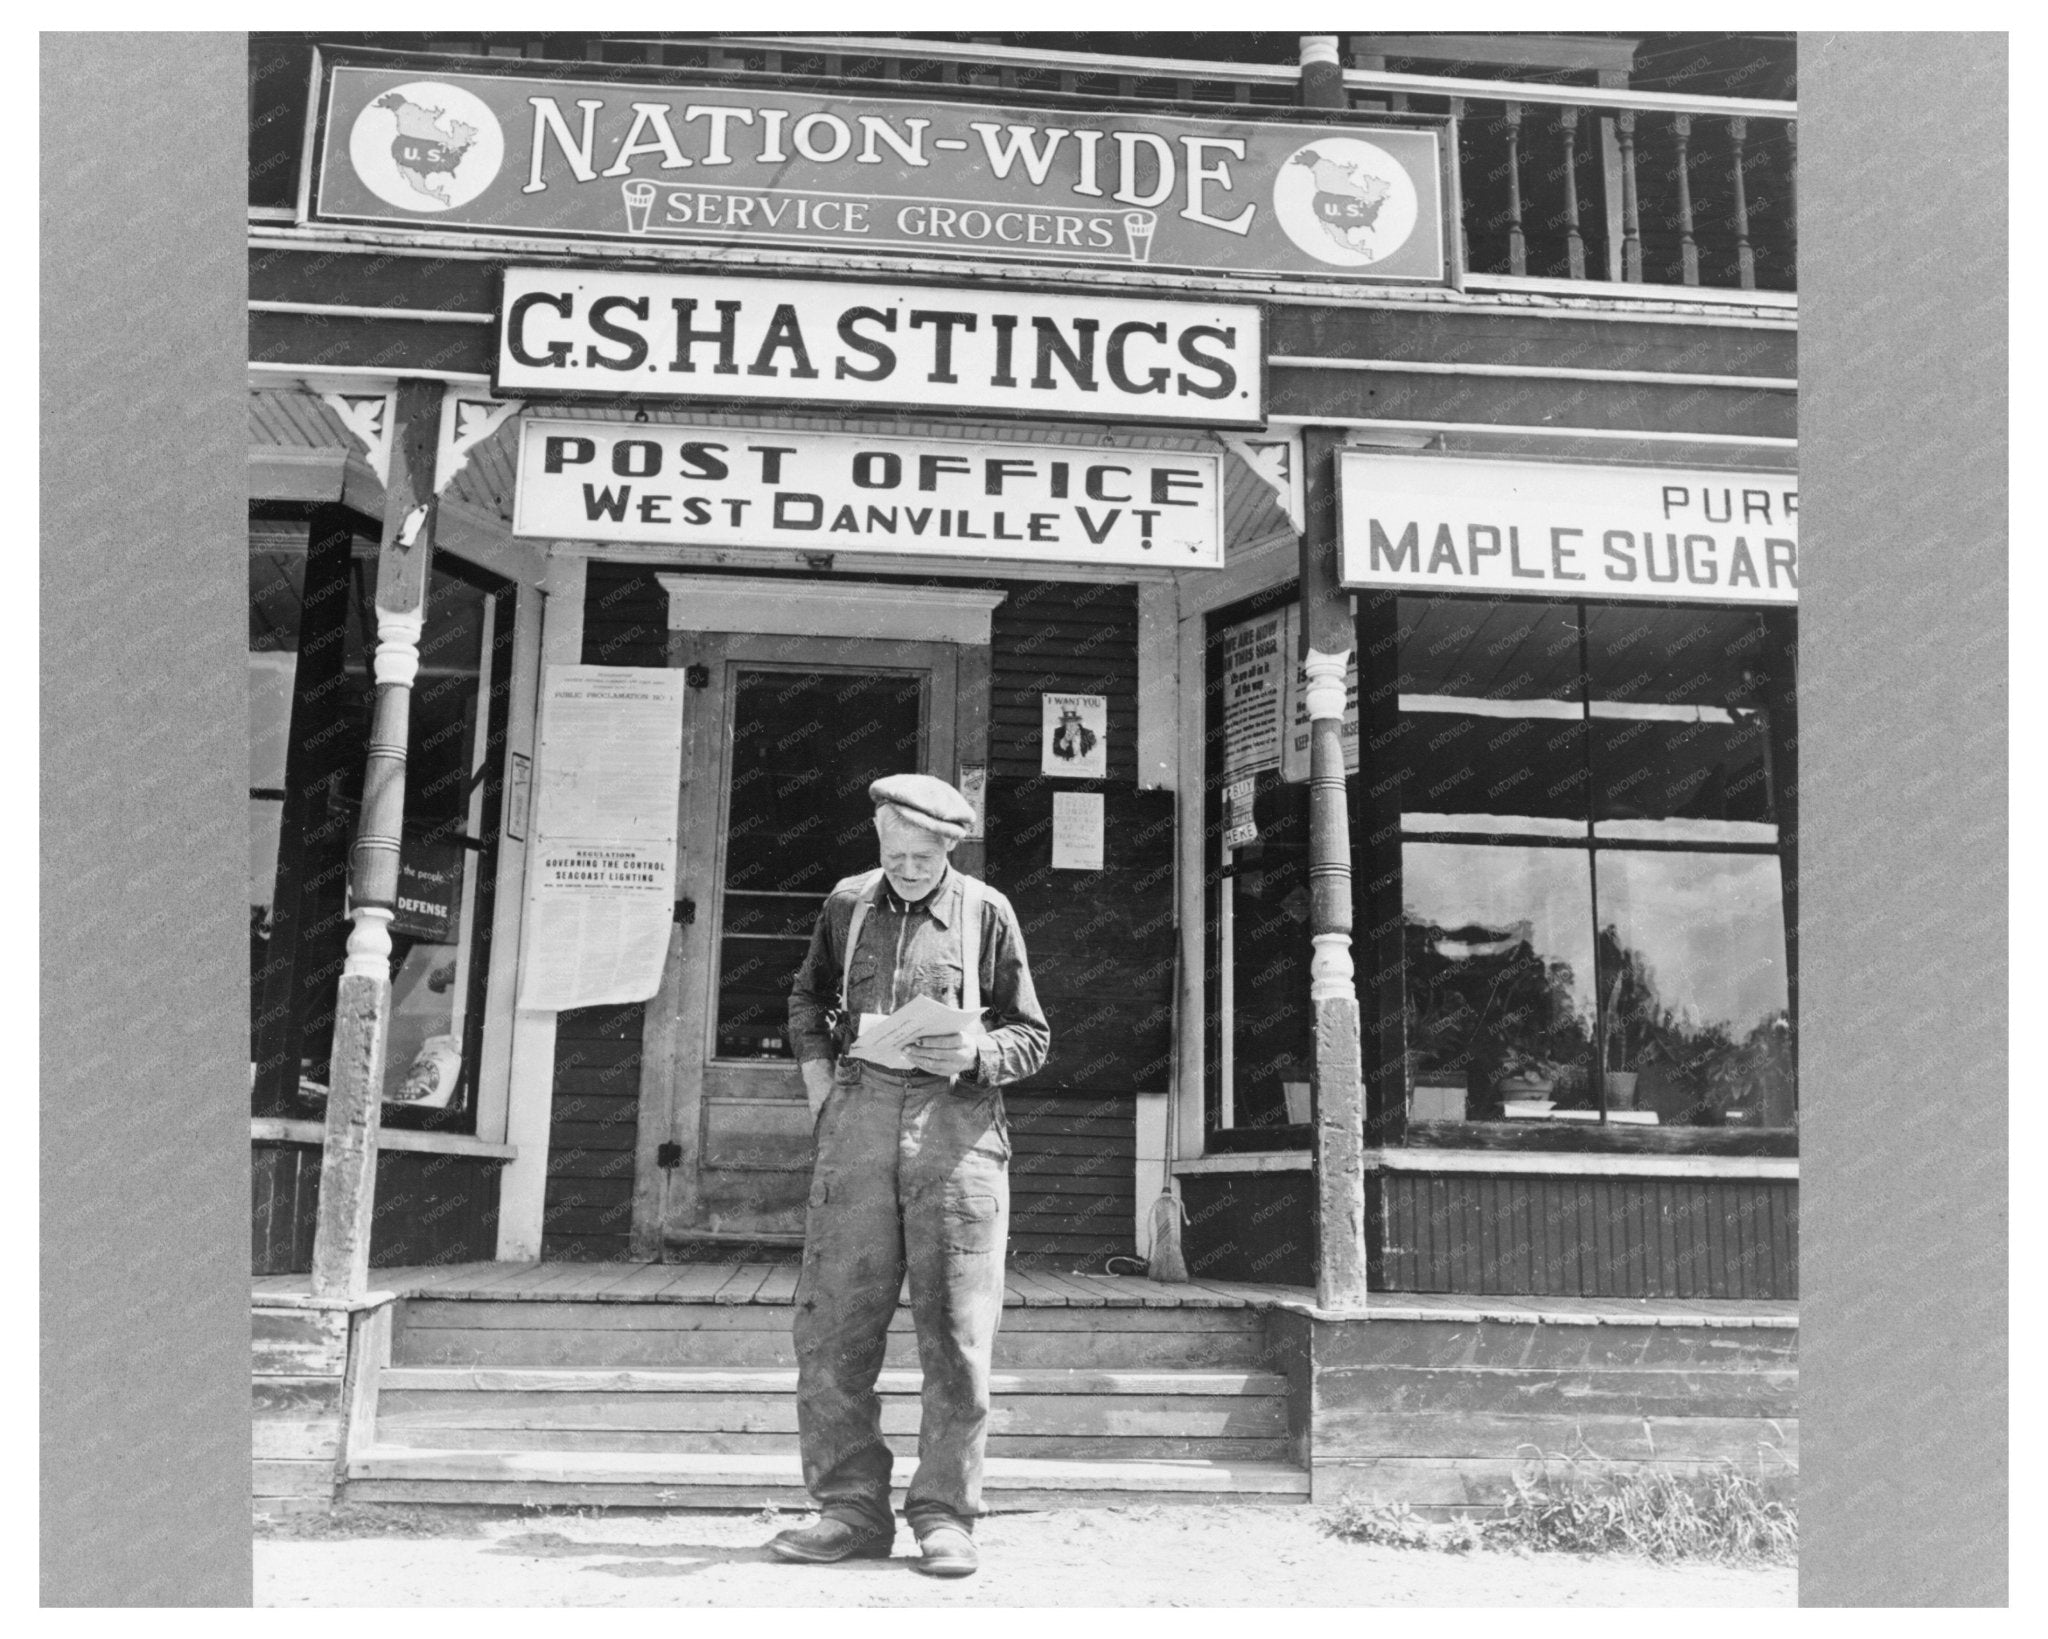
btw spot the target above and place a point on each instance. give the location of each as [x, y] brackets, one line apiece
[1518, 244]
[1574, 241]
[1688, 250]
[1631, 214]
[1745, 257]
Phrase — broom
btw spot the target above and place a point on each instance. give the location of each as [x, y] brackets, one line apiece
[1164, 1262]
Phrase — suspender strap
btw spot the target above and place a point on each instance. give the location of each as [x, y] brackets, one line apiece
[970, 943]
[870, 891]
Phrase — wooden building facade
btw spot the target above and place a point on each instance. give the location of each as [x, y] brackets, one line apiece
[1427, 923]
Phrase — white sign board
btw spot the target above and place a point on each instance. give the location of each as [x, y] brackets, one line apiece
[708, 336]
[602, 880]
[832, 492]
[1077, 830]
[1450, 524]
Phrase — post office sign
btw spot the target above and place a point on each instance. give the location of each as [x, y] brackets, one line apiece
[1549, 529]
[842, 493]
[708, 336]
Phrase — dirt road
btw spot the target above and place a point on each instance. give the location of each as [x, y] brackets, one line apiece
[1188, 1556]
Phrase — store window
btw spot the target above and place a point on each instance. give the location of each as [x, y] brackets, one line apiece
[311, 694]
[1595, 863]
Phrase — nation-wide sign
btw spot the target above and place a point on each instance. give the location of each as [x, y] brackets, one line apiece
[842, 493]
[1447, 524]
[680, 162]
[667, 335]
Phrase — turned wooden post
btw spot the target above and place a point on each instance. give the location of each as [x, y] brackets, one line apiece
[1574, 241]
[362, 1008]
[1631, 210]
[1518, 244]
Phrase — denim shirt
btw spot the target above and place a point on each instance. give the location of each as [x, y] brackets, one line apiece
[916, 952]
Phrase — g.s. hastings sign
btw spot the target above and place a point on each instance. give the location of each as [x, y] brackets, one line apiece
[707, 336]
[709, 163]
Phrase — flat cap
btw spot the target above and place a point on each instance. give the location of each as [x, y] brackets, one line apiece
[928, 801]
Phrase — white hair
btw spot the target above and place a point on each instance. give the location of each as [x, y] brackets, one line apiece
[887, 812]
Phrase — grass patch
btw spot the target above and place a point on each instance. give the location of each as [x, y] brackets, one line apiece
[1586, 1505]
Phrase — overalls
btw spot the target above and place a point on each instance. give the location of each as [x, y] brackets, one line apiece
[911, 1178]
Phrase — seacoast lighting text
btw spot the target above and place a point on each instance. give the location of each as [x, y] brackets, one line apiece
[685, 336]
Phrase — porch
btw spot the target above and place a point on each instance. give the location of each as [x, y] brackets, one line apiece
[673, 1385]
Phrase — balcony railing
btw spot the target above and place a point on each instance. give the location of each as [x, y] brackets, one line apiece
[1562, 187]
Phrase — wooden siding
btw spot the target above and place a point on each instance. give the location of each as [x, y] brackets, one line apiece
[1072, 1180]
[587, 1214]
[1250, 1226]
[429, 1208]
[1058, 637]
[1586, 1236]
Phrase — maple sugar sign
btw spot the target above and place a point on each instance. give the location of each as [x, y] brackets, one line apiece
[705, 163]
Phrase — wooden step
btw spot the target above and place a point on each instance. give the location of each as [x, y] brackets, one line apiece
[717, 1480]
[776, 1380]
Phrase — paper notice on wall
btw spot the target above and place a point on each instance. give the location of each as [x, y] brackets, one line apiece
[603, 862]
[1077, 831]
[1255, 656]
[1294, 756]
[1074, 735]
[1240, 829]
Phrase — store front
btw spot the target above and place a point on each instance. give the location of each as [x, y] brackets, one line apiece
[727, 518]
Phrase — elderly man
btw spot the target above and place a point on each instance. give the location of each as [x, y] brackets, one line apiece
[911, 1176]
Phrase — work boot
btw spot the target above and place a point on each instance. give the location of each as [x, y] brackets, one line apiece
[830, 1541]
[946, 1550]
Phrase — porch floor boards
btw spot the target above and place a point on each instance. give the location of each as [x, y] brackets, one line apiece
[769, 1283]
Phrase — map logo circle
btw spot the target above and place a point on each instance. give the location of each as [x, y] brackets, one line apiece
[426, 146]
[1345, 201]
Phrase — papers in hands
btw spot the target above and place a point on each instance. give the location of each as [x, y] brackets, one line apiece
[882, 1040]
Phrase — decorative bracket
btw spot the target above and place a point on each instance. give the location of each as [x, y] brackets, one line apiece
[467, 419]
[369, 416]
[1276, 462]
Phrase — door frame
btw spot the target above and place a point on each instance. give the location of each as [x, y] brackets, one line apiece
[899, 621]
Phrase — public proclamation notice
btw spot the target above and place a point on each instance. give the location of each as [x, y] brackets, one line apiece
[603, 877]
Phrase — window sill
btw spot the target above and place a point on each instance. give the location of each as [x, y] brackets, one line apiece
[1583, 1164]
[1590, 1138]
[265, 1129]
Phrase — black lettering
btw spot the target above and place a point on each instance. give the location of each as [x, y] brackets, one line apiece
[604, 503]
[785, 519]
[868, 463]
[1078, 362]
[558, 452]
[1226, 373]
[558, 352]
[1165, 480]
[635, 344]
[943, 326]
[1156, 378]
[883, 355]
[785, 335]
[700, 460]
[636, 458]
[1619, 556]
[726, 335]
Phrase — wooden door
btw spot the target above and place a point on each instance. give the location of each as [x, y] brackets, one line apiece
[784, 738]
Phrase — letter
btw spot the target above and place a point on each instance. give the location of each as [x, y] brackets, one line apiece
[786, 519]
[557, 355]
[1005, 327]
[1085, 181]
[1097, 536]
[724, 335]
[700, 460]
[1145, 515]
[547, 117]
[635, 344]
[1040, 524]
[1676, 496]
[719, 118]
[1670, 557]
[1727, 506]
[1198, 173]
[873, 126]
[1742, 570]
[802, 137]
[917, 517]
[881, 520]
[1008, 216]
[818, 214]
[1059, 480]
[1692, 570]
[696, 510]
[558, 452]
[785, 334]
[1022, 145]
[1226, 372]
[1756, 501]
[1094, 483]
[1033, 225]
[771, 460]
[1002, 534]
[636, 458]
[942, 222]
[883, 355]
[1444, 549]
[604, 503]
[1079, 364]
[868, 463]
[910, 221]
[1557, 568]
[1627, 569]
[771, 136]
[857, 216]
[1156, 378]
[968, 230]
[654, 116]
[1474, 552]
[1515, 555]
[930, 466]
[996, 469]
[1165, 480]
[1127, 167]
[1782, 554]
[943, 325]
[1790, 502]
[1068, 230]
[1406, 553]
[733, 508]
[650, 509]
[843, 521]
[1101, 235]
